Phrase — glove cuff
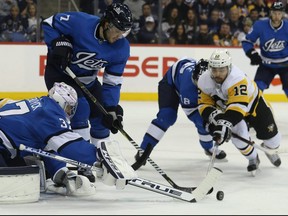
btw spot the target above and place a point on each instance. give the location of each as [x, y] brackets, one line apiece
[251, 52]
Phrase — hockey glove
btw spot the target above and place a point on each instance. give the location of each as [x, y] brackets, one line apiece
[114, 119]
[62, 51]
[201, 66]
[222, 131]
[254, 57]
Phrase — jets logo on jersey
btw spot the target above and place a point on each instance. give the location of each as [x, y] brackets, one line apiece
[274, 46]
[87, 61]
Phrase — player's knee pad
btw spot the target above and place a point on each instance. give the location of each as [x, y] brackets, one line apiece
[166, 117]
[273, 142]
[261, 85]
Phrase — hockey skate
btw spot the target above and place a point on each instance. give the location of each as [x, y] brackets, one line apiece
[220, 154]
[253, 165]
[274, 158]
[137, 157]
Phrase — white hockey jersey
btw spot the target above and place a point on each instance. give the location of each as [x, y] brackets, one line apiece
[237, 93]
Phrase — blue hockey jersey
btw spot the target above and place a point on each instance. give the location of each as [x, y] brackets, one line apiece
[179, 75]
[41, 123]
[273, 42]
[90, 54]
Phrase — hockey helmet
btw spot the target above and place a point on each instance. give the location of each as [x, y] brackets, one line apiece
[277, 5]
[65, 96]
[220, 58]
[120, 16]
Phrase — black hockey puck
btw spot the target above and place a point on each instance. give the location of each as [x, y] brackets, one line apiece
[220, 195]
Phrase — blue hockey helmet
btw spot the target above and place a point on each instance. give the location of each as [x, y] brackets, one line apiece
[120, 16]
[277, 5]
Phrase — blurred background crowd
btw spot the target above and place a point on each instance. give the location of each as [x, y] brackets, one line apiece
[197, 22]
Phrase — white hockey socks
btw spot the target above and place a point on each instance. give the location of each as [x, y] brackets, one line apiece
[116, 170]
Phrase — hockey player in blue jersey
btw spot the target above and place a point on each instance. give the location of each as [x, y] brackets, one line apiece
[87, 43]
[43, 123]
[272, 34]
[176, 88]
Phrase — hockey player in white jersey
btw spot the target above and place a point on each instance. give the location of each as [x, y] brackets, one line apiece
[174, 90]
[227, 99]
[44, 123]
[273, 58]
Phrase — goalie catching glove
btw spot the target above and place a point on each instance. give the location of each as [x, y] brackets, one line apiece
[62, 51]
[114, 119]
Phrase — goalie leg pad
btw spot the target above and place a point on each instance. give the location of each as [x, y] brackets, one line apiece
[114, 161]
[116, 169]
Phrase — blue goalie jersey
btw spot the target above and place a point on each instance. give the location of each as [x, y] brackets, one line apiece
[37, 122]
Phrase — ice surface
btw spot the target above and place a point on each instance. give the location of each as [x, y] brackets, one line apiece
[181, 157]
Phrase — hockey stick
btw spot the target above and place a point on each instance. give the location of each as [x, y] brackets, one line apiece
[198, 194]
[146, 153]
[212, 161]
[104, 111]
[266, 150]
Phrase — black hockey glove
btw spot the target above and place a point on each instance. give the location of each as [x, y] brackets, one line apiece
[62, 51]
[114, 119]
[222, 131]
[254, 57]
[201, 66]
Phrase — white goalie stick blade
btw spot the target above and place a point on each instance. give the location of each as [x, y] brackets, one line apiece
[198, 194]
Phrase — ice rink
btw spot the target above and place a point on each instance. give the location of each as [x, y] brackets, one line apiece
[181, 157]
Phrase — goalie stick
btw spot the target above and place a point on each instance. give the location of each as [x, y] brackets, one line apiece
[198, 194]
[145, 155]
[266, 150]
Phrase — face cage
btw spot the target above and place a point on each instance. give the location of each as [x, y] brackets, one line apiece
[70, 110]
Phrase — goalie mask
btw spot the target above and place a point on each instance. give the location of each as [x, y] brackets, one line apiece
[65, 96]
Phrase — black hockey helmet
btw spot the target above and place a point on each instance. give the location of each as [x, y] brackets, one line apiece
[200, 67]
[119, 15]
[277, 5]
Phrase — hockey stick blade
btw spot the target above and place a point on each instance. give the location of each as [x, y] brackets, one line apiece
[197, 195]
